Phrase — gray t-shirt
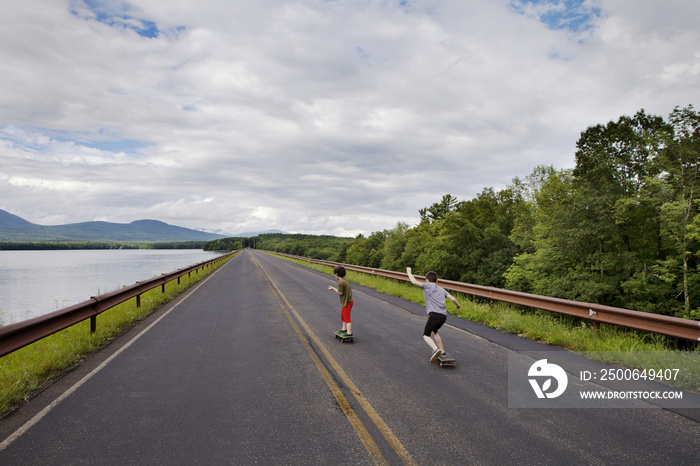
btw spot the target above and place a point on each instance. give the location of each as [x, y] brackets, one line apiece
[434, 298]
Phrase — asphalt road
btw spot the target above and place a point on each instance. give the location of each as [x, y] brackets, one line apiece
[245, 369]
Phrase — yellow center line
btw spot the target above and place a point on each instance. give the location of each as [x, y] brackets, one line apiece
[360, 429]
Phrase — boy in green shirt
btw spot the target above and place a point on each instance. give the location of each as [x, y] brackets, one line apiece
[346, 302]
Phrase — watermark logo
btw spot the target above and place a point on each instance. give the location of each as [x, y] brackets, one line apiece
[637, 379]
[546, 372]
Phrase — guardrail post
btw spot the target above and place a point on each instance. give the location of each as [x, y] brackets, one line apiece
[93, 324]
[162, 288]
[138, 300]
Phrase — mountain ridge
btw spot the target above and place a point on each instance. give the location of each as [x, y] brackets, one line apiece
[16, 229]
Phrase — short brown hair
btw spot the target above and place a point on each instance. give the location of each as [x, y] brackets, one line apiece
[339, 270]
[431, 277]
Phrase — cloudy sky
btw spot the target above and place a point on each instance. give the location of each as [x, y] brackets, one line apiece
[324, 117]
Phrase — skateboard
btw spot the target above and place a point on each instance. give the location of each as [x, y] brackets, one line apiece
[343, 337]
[446, 360]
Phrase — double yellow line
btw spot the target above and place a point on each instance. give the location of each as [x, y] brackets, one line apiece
[355, 421]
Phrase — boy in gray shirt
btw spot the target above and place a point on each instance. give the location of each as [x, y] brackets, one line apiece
[435, 307]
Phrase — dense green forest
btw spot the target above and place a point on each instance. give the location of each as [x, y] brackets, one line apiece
[316, 247]
[621, 228]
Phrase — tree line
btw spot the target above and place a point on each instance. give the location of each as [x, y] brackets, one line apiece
[316, 247]
[621, 228]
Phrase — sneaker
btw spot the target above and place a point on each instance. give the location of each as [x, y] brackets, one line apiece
[435, 355]
[341, 332]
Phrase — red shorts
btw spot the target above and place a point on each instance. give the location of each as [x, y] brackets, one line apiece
[345, 313]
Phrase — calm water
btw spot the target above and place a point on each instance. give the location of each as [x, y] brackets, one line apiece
[33, 283]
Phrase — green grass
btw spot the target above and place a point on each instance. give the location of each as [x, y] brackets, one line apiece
[607, 343]
[28, 369]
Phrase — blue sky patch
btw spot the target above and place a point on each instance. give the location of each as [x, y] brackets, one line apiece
[109, 143]
[362, 53]
[115, 14]
[127, 146]
[573, 15]
[42, 140]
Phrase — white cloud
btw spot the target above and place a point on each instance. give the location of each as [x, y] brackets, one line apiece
[324, 117]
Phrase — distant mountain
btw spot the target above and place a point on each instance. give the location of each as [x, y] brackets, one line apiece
[16, 229]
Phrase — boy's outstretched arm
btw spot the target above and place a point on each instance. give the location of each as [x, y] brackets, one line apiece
[454, 300]
[412, 278]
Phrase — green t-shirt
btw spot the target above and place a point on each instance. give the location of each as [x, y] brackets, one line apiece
[344, 287]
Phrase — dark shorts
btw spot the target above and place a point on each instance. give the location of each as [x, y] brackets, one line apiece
[435, 321]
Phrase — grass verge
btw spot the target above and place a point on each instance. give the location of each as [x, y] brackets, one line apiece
[27, 370]
[608, 343]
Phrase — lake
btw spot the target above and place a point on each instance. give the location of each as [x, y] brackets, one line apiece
[33, 283]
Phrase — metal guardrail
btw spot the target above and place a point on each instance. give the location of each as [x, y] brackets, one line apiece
[676, 327]
[16, 336]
